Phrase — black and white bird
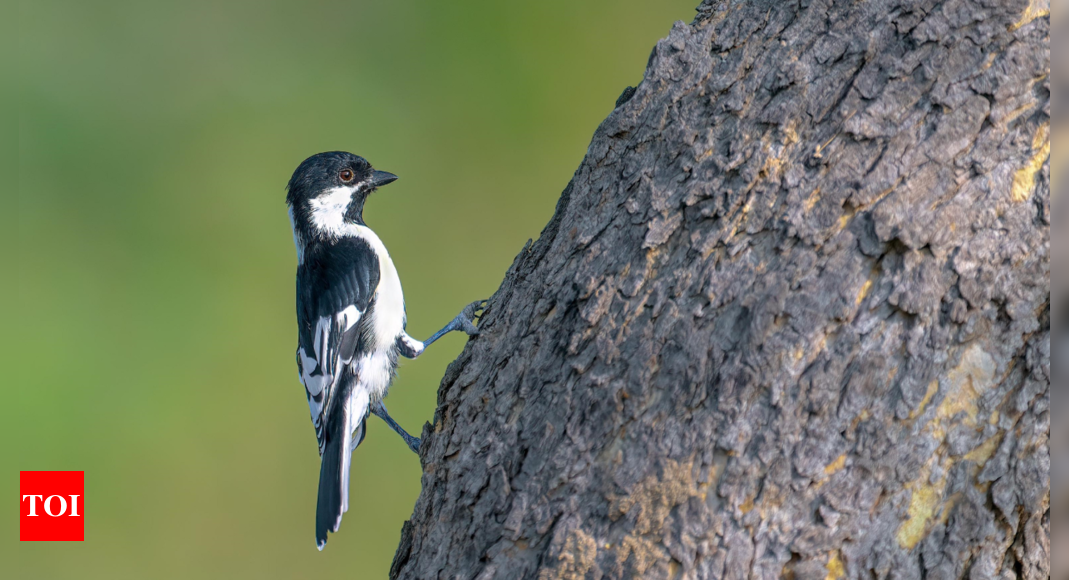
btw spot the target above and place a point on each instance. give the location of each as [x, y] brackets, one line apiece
[350, 317]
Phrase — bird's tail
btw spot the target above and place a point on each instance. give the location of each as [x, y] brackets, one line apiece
[333, 501]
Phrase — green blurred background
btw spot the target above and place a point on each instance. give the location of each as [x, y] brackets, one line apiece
[153, 334]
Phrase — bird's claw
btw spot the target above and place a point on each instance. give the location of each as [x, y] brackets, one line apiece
[466, 318]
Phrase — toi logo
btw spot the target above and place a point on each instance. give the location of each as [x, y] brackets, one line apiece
[52, 506]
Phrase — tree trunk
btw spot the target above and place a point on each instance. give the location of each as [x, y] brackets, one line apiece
[791, 318]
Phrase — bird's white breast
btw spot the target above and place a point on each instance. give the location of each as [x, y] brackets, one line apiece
[387, 319]
[389, 314]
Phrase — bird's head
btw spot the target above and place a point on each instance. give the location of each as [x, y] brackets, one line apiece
[329, 189]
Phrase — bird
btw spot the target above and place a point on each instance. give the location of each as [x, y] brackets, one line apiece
[351, 321]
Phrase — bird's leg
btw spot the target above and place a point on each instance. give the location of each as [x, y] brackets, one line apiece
[465, 321]
[379, 409]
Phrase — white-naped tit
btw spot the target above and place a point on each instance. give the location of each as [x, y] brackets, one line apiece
[350, 317]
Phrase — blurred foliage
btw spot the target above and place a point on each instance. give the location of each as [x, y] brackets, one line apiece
[153, 332]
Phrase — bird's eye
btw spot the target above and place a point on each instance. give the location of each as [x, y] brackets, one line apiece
[346, 175]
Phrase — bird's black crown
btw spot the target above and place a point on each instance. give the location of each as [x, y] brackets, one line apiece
[325, 171]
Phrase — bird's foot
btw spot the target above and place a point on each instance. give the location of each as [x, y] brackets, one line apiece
[465, 321]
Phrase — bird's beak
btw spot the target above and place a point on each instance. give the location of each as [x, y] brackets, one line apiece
[380, 178]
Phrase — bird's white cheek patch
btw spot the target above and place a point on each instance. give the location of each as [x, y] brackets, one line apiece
[328, 211]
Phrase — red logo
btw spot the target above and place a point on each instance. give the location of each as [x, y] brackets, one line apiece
[53, 506]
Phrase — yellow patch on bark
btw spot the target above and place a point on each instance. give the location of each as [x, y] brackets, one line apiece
[966, 382]
[1024, 181]
[812, 199]
[1036, 9]
[843, 220]
[790, 133]
[933, 388]
[773, 167]
[646, 552]
[836, 465]
[576, 558]
[984, 451]
[654, 498]
[964, 385]
[1041, 137]
[835, 567]
[922, 505]
[863, 293]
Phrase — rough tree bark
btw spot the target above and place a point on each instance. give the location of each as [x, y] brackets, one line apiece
[790, 318]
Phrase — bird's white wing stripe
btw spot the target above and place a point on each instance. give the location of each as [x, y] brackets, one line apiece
[349, 317]
[316, 383]
[320, 340]
[346, 461]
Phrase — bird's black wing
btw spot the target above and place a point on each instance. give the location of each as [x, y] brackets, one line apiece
[335, 285]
